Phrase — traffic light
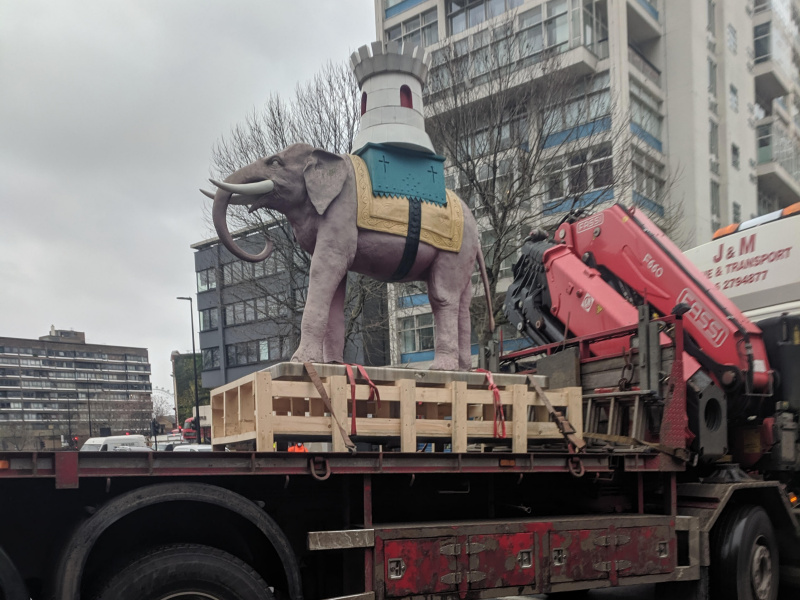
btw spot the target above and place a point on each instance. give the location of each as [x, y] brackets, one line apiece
[154, 427]
[75, 442]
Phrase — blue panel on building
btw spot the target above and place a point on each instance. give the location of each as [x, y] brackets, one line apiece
[413, 300]
[402, 6]
[577, 132]
[588, 199]
[648, 204]
[647, 137]
[649, 8]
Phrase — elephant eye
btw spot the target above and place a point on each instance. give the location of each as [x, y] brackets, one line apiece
[273, 161]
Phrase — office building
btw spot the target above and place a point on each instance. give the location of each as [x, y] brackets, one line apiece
[250, 313]
[58, 387]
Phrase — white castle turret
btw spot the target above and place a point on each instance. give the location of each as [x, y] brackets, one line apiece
[391, 80]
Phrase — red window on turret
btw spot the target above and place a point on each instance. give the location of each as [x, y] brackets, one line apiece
[405, 97]
[363, 102]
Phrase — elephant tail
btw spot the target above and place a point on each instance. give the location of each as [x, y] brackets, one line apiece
[485, 279]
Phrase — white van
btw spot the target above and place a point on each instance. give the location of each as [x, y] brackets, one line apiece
[124, 443]
[193, 448]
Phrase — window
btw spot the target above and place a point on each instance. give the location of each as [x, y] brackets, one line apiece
[278, 348]
[206, 280]
[416, 333]
[733, 97]
[712, 19]
[579, 173]
[712, 78]
[645, 110]
[243, 353]
[592, 101]
[421, 30]
[488, 238]
[247, 311]
[209, 319]
[544, 27]
[737, 212]
[735, 156]
[648, 176]
[715, 212]
[210, 358]
[405, 97]
[713, 138]
[236, 272]
[762, 42]
[363, 103]
[732, 38]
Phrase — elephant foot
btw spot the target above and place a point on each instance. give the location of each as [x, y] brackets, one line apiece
[303, 357]
[444, 364]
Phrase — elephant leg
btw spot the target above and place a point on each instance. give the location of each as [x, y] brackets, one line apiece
[328, 269]
[465, 330]
[333, 345]
[445, 303]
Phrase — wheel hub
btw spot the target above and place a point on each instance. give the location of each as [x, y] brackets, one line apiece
[761, 570]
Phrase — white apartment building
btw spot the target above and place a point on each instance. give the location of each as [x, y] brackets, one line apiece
[709, 89]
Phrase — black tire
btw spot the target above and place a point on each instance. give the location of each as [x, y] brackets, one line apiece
[744, 556]
[186, 572]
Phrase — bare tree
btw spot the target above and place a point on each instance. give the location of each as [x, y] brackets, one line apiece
[325, 113]
[530, 133]
[17, 435]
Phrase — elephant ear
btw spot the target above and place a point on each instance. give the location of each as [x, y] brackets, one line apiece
[325, 174]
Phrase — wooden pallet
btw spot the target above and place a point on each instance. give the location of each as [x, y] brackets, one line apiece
[453, 408]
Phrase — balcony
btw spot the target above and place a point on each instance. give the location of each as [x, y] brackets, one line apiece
[778, 157]
[644, 66]
[771, 81]
[643, 24]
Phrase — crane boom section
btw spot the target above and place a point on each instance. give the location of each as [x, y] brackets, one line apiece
[636, 251]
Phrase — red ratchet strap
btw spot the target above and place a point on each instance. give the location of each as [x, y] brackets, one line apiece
[499, 414]
[374, 394]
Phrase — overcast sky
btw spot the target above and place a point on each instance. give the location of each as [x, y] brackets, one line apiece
[108, 112]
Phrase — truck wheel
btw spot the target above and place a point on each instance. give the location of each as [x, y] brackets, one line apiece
[186, 572]
[744, 556]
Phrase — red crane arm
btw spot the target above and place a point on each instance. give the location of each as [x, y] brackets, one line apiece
[634, 250]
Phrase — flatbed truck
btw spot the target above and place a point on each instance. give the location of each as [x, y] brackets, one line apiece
[682, 474]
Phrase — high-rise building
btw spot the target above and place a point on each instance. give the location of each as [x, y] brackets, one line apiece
[708, 90]
[58, 387]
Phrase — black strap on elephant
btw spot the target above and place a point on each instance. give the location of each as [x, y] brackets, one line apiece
[412, 240]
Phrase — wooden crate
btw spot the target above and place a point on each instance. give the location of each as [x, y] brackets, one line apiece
[416, 406]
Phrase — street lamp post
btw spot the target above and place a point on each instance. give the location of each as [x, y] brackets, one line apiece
[194, 367]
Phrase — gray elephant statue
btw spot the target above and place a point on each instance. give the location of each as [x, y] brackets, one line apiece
[317, 192]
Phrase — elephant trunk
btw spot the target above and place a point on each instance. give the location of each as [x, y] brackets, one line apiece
[219, 213]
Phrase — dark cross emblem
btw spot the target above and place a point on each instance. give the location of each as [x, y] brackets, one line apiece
[384, 162]
[432, 171]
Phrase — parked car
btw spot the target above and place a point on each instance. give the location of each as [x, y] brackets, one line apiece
[193, 448]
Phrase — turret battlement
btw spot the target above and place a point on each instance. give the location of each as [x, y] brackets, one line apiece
[391, 77]
[388, 58]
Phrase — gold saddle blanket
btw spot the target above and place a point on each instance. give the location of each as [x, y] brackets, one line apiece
[442, 226]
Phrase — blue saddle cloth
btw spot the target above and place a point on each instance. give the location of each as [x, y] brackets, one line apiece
[405, 173]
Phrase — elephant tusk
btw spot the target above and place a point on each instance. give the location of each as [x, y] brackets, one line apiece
[235, 199]
[246, 189]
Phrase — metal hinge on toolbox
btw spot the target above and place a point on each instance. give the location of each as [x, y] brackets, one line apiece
[619, 565]
[455, 578]
[612, 540]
